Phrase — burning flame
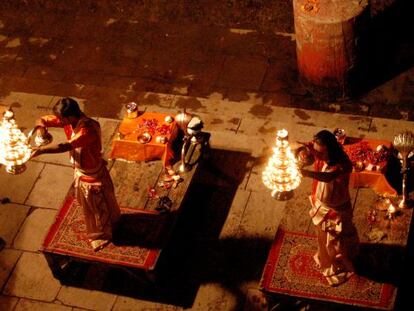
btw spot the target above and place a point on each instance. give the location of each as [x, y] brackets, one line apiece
[14, 149]
[281, 173]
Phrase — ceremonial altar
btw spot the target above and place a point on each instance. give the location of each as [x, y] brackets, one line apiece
[149, 204]
[139, 139]
[371, 175]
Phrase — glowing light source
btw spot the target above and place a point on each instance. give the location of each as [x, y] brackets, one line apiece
[281, 174]
[14, 149]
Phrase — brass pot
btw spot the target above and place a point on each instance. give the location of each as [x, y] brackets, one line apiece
[304, 156]
[182, 119]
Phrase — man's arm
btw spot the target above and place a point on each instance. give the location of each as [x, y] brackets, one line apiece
[321, 176]
[60, 148]
[47, 121]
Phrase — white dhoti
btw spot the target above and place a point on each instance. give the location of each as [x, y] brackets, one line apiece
[95, 193]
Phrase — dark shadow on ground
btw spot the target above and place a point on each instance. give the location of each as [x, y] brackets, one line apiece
[394, 176]
[381, 263]
[194, 255]
[190, 263]
[148, 230]
[405, 293]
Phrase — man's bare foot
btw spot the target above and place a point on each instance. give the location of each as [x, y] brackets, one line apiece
[170, 171]
[317, 261]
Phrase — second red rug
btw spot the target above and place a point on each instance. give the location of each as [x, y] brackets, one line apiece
[290, 270]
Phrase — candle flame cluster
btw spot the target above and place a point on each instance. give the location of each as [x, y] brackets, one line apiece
[14, 149]
[281, 173]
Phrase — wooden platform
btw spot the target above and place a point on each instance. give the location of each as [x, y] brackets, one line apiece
[383, 245]
[144, 228]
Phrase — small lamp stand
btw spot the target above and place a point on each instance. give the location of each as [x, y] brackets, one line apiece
[404, 143]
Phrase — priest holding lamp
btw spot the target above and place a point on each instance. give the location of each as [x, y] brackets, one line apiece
[331, 208]
[94, 189]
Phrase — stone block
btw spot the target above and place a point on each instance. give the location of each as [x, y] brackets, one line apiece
[52, 186]
[213, 296]
[219, 123]
[301, 124]
[262, 110]
[34, 86]
[105, 102]
[235, 215]
[10, 99]
[14, 69]
[11, 217]
[30, 100]
[254, 181]
[248, 169]
[228, 140]
[217, 104]
[29, 107]
[34, 229]
[201, 72]
[279, 76]
[262, 216]
[241, 42]
[266, 129]
[44, 73]
[387, 129]
[242, 73]
[8, 259]
[151, 102]
[129, 304]
[8, 303]
[296, 216]
[19, 186]
[87, 299]
[84, 78]
[354, 125]
[32, 305]
[32, 278]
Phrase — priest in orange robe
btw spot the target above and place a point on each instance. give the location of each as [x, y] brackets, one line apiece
[93, 185]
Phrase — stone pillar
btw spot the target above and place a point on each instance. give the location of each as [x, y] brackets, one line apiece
[330, 45]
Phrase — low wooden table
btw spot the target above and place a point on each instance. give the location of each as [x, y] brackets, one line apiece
[144, 229]
[375, 180]
[127, 146]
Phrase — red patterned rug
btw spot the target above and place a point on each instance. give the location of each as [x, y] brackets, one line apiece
[67, 236]
[290, 270]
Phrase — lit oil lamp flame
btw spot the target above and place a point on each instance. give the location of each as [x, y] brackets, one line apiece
[281, 174]
[14, 149]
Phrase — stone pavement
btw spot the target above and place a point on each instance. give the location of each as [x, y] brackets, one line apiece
[241, 81]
